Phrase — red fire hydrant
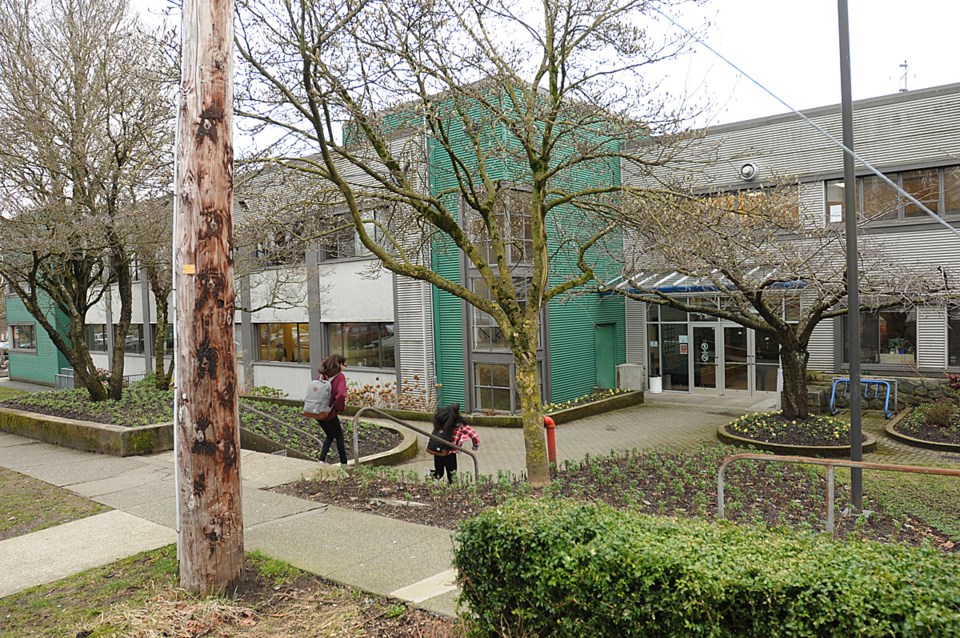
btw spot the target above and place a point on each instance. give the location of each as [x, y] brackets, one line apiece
[551, 428]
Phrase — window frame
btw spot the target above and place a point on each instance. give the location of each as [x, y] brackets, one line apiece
[93, 330]
[904, 211]
[910, 345]
[350, 237]
[300, 332]
[134, 328]
[383, 332]
[14, 347]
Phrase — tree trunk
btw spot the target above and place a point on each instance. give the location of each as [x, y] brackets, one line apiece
[208, 436]
[794, 397]
[84, 372]
[531, 409]
[160, 344]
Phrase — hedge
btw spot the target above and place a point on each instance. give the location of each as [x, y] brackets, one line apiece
[553, 568]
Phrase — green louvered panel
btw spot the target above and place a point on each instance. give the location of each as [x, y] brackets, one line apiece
[36, 367]
[448, 309]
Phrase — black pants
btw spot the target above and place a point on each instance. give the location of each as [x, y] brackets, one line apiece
[333, 430]
[446, 464]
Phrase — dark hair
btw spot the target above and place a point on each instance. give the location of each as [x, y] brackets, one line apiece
[446, 418]
[331, 365]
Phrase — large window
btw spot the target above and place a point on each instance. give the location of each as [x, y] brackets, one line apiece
[365, 345]
[284, 342]
[494, 387]
[487, 335]
[97, 337]
[936, 188]
[133, 343]
[344, 242]
[513, 218]
[24, 337]
[168, 337]
[887, 337]
[282, 246]
[953, 338]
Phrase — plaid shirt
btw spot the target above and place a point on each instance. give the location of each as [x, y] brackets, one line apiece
[461, 433]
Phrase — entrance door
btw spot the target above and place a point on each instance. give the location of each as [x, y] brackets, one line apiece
[736, 359]
[704, 347]
[767, 362]
[604, 343]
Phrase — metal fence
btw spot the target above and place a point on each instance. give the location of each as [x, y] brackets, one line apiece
[65, 381]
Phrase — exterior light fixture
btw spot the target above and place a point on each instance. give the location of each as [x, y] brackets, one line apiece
[748, 171]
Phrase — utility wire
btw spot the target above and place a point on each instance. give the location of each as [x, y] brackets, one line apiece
[813, 124]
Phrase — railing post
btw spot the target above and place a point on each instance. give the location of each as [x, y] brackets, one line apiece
[723, 466]
[830, 499]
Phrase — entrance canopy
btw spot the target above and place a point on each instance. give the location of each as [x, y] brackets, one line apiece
[681, 283]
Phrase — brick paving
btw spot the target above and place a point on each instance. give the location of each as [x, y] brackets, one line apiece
[667, 421]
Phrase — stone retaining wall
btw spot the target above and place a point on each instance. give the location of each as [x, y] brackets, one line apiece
[911, 391]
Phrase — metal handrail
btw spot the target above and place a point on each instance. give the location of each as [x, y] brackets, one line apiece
[831, 464]
[283, 423]
[356, 440]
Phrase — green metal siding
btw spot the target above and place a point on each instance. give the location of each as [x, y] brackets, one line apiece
[36, 367]
[572, 319]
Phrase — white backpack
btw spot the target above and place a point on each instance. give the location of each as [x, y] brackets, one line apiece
[319, 399]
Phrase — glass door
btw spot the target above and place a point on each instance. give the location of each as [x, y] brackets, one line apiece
[766, 363]
[704, 353]
[736, 359]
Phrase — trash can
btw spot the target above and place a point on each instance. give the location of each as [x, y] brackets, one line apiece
[656, 385]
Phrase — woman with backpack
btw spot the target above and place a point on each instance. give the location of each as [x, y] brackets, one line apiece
[332, 370]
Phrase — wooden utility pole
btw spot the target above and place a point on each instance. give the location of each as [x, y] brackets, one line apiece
[210, 541]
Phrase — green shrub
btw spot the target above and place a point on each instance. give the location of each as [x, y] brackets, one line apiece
[558, 569]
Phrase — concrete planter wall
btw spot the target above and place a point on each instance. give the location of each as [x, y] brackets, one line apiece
[88, 436]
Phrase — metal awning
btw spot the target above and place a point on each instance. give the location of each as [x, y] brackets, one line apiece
[680, 283]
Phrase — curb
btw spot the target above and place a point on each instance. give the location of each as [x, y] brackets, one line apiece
[115, 440]
[829, 451]
[921, 443]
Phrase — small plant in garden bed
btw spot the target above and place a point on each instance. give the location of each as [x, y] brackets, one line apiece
[773, 427]
[142, 404]
[550, 408]
[938, 421]
[649, 481]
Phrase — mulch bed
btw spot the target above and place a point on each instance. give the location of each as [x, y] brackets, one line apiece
[927, 432]
[650, 482]
[814, 431]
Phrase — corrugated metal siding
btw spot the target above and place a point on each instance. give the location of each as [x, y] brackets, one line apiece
[821, 347]
[636, 331]
[932, 337]
[415, 346]
[39, 367]
[812, 204]
[893, 131]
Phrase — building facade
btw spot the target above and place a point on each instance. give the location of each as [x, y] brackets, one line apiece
[913, 140]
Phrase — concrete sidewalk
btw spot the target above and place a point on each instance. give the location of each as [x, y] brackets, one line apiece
[381, 555]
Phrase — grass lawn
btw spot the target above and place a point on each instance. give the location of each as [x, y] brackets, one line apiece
[29, 505]
[138, 598]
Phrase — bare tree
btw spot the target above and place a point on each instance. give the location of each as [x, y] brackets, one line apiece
[82, 125]
[755, 258]
[522, 112]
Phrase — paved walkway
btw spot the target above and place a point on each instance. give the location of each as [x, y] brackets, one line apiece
[381, 555]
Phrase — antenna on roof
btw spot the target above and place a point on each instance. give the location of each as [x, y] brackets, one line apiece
[903, 66]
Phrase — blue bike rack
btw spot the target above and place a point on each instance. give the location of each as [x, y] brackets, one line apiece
[875, 384]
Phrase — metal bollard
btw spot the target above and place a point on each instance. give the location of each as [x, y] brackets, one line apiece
[551, 428]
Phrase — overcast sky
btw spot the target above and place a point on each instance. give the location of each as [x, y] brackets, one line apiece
[792, 47]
